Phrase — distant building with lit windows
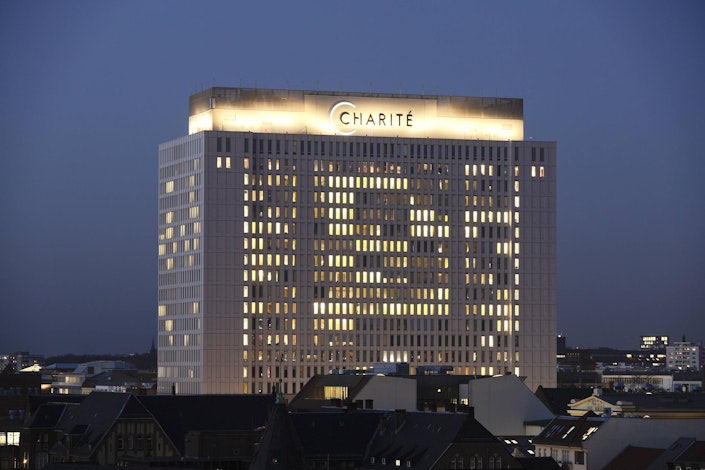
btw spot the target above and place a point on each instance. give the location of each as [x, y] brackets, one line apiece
[683, 355]
[306, 231]
[653, 342]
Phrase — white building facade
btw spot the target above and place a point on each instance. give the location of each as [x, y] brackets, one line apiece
[301, 232]
[683, 355]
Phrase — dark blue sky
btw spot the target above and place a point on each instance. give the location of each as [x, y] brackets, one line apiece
[88, 90]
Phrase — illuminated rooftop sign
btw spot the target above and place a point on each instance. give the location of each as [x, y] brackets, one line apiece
[356, 114]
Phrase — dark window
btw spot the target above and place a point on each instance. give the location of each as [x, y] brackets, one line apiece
[579, 457]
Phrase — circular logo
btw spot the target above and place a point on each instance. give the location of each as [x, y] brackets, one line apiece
[342, 118]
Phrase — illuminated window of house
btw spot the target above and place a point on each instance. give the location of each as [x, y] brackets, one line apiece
[331, 392]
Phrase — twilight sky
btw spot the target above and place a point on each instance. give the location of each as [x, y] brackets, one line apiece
[88, 90]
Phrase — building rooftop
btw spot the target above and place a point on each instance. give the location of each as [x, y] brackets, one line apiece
[653, 402]
[348, 113]
[694, 453]
[570, 431]
[380, 439]
[293, 100]
[179, 414]
[634, 458]
[558, 399]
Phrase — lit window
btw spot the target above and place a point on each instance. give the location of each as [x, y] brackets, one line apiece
[335, 392]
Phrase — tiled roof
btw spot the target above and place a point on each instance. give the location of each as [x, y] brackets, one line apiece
[570, 431]
[694, 453]
[36, 401]
[280, 447]
[372, 436]
[634, 458]
[47, 415]
[90, 420]
[179, 414]
[422, 438]
[340, 433]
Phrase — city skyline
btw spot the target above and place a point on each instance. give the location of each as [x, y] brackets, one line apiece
[86, 102]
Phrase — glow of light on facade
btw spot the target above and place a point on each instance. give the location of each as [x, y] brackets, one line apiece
[382, 115]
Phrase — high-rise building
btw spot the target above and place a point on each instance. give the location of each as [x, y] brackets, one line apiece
[305, 231]
[683, 355]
